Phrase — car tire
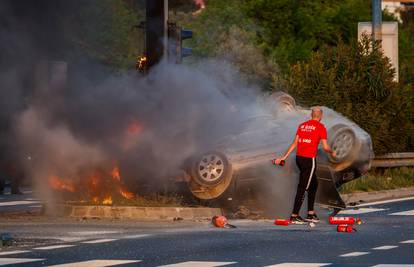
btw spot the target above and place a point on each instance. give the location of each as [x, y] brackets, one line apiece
[211, 176]
[342, 139]
[285, 101]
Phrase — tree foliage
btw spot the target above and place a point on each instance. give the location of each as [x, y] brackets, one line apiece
[357, 81]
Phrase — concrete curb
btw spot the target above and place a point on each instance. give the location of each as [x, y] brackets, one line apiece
[378, 195]
[130, 212]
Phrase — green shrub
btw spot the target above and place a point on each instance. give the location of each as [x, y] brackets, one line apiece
[381, 180]
[357, 81]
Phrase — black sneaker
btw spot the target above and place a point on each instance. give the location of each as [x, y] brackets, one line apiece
[296, 220]
[312, 218]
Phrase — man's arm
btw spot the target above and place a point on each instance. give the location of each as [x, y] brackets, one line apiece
[290, 150]
[327, 148]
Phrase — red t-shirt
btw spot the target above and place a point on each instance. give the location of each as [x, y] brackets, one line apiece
[310, 133]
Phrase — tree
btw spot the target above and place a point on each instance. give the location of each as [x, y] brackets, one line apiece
[357, 81]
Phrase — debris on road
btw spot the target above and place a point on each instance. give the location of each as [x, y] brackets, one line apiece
[345, 228]
[5, 239]
[344, 220]
[221, 222]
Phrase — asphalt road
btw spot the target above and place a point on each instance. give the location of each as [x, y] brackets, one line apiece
[386, 237]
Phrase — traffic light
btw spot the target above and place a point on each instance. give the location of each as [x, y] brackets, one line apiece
[176, 35]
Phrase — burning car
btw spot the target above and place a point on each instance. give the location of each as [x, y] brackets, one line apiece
[244, 158]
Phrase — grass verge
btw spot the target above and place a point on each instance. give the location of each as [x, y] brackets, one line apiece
[378, 179]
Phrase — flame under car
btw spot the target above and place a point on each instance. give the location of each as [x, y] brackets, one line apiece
[242, 159]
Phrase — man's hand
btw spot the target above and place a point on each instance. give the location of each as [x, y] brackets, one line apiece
[278, 160]
[334, 154]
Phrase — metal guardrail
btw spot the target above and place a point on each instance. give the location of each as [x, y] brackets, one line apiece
[393, 160]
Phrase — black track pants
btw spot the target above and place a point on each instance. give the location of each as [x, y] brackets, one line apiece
[307, 182]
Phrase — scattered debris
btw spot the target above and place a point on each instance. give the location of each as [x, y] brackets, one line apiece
[344, 220]
[5, 239]
[221, 222]
[345, 228]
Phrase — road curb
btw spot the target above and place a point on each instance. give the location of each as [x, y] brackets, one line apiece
[378, 195]
[131, 212]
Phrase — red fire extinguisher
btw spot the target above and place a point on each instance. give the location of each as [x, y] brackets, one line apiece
[344, 220]
[282, 162]
[345, 228]
[282, 222]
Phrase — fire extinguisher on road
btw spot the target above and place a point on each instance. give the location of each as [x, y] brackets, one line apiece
[344, 220]
[345, 228]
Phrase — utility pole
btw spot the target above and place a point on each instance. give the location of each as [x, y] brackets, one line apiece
[162, 38]
[156, 30]
[376, 20]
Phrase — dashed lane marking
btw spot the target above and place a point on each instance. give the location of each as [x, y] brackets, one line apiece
[407, 242]
[96, 263]
[9, 261]
[54, 247]
[97, 241]
[385, 247]
[360, 211]
[17, 203]
[354, 254]
[4, 253]
[405, 213]
[198, 264]
[384, 201]
[297, 264]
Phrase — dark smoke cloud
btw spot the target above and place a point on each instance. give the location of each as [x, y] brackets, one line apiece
[59, 119]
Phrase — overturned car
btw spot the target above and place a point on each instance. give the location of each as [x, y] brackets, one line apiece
[243, 158]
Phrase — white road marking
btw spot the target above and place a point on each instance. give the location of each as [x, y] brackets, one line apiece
[407, 242]
[8, 261]
[13, 252]
[384, 201]
[96, 263]
[405, 213]
[385, 247]
[93, 232]
[360, 211]
[97, 241]
[297, 264]
[394, 265]
[198, 264]
[54, 247]
[136, 236]
[16, 203]
[354, 254]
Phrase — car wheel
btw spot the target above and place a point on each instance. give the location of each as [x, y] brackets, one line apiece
[343, 141]
[285, 101]
[211, 176]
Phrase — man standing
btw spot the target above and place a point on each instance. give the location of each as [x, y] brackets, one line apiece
[307, 140]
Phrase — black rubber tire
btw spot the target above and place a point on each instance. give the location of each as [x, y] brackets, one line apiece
[205, 189]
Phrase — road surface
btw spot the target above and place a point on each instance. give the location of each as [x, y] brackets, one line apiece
[386, 237]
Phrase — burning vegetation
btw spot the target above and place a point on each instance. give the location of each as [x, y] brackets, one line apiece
[97, 186]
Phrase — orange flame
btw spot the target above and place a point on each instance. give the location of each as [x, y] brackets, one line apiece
[107, 201]
[59, 184]
[97, 186]
[115, 174]
[126, 194]
[141, 63]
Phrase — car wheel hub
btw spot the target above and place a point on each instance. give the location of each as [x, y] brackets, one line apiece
[343, 144]
[211, 168]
